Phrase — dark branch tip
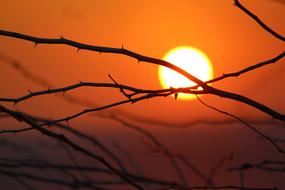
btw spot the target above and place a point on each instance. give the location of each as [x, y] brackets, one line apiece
[176, 95]
[67, 122]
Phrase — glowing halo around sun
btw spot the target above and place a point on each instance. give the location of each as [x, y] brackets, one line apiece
[189, 59]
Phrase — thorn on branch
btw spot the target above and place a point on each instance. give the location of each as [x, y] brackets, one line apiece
[121, 89]
[176, 95]
[173, 90]
[30, 91]
[61, 37]
[49, 92]
[35, 44]
[67, 122]
[78, 49]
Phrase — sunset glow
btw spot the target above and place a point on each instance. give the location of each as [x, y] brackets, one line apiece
[191, 60]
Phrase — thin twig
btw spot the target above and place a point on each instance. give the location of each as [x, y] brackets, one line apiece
[279, 149]
[260, 22]
[22, 118]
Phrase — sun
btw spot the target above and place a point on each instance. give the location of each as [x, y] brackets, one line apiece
[189, 59]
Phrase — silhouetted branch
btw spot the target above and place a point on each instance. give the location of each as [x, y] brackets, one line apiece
[160, 148]
[133, 162]
[100, 85]
[26, 72]
[18, 164]
[73, 184]
[75, 132]
[245, 124]
[123, 51]
[277, 140]
[215, 169]
[247, 69]
[22, 118]
[101, 49]
[77, 175]
[158, 144]
[262, 24]
[266, 165]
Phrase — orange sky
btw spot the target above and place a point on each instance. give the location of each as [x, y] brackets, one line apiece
[229, 37]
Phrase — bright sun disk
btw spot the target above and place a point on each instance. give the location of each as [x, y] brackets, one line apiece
[190, 59]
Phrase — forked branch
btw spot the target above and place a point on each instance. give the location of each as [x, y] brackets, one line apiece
[206, 88]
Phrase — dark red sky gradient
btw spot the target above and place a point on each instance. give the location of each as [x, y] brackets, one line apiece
[230, 38]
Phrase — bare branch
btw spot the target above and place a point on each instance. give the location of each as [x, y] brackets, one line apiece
[262, 24]
[102, 49]
[21, 117]
[206, 88]
[88, 84]
[266, 165]
[14, 163]
[279, 149]
[74, 184]
[247, 69]
[160, 148]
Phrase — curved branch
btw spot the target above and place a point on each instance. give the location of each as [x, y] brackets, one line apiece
[262, 24]
[22, 118]
[19, 164]
[102, 49]
[207, 89]
[266, 165]
[248, 101]
[278, 148]
[247, 69]
[135, 91]
[87, 84]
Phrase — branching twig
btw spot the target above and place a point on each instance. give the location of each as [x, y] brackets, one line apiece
[267, 165]
[247, 69]
[14, 163]
[91, 84]
[245, 124]
[139, 57]
[21, 117]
